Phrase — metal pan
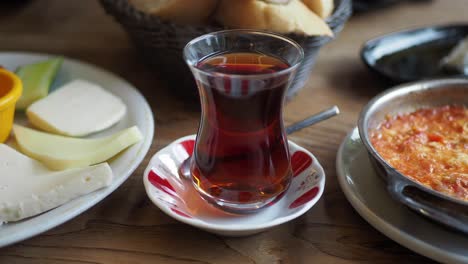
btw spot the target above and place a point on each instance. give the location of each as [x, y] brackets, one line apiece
[406, 98]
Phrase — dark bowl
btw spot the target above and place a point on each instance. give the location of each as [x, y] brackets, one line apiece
[413, 54]
[406, 98]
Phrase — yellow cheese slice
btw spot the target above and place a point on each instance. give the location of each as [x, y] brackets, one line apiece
[60, 152]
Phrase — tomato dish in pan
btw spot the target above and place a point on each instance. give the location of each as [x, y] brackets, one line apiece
[430, 146]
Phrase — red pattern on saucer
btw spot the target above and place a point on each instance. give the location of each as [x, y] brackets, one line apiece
[299, 162]
[306, 197]
[162, 184]
[188, 146]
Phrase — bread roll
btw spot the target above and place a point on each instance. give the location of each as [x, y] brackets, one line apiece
[293, 17]
[323, 8]
[178, 11]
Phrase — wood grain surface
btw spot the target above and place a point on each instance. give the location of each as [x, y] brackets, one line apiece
[127, 228]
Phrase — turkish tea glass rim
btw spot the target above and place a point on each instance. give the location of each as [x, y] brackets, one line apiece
[288, 70]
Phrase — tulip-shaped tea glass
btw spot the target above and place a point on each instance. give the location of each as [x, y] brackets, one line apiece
[241, 159]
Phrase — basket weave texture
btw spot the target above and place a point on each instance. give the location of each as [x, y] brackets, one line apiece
[161, 43]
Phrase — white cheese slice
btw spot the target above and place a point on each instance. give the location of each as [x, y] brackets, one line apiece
[28, 188]
[78, 108]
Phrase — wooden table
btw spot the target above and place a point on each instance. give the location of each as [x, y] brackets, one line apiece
[127, 228]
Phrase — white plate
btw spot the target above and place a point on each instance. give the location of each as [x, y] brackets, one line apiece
[139, 114]
[367, 192]
[178, 198]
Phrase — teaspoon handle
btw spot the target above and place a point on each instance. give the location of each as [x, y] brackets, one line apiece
[326, 114]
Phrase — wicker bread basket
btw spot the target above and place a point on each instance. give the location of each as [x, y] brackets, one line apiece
[161, 43]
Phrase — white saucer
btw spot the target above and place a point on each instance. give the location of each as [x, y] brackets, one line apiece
[367, 193]
[178, 198]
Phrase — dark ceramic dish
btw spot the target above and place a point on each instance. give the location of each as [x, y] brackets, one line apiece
[406, 98]
[413, 54]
